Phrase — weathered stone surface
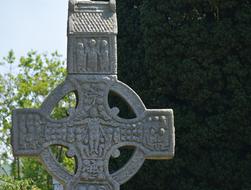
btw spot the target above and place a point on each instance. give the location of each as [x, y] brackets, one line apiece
[92, 30]
[93, 132]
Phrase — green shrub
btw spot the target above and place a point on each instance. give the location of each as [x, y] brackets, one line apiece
[8, 183]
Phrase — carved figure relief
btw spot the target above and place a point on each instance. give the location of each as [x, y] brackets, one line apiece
[104, 56]
[155, 136]
[93, 169]
[23, 132]
[31, 127]
[95, 137]
[92, 55]
[81, 56]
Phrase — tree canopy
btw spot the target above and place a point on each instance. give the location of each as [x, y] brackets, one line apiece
[192, 56]
[38, 74]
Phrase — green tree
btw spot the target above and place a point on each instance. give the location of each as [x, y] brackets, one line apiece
[9, 183]
[37, 75]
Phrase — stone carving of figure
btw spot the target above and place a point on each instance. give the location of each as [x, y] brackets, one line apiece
[81, 57]
[92, 56]
[94, 136]
[23, 131]
[30, 129]
[153, 137]
[116, 136]
[70, 135]
[104, 56]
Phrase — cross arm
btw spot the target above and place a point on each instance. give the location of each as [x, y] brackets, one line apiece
[27, 132]
[153, 133]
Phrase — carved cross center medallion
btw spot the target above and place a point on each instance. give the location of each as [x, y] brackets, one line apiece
[93, 132]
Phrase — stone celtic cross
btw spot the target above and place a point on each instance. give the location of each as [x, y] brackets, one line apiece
[93, 132]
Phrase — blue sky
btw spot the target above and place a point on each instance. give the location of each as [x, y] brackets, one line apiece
[32, 25]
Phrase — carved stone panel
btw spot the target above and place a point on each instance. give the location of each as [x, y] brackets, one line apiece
[92, 55]
[92, 33]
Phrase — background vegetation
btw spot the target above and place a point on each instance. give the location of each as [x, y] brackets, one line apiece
[192, 56]
[37, 76]
[9, 183]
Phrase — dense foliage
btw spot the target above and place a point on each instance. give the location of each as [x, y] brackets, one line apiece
[37, 76]
[192, 56]
[9, 183]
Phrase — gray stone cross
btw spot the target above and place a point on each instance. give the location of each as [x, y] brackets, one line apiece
[93, 132]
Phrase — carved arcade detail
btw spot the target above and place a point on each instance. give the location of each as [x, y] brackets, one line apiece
[92, 34]
[92, 56]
